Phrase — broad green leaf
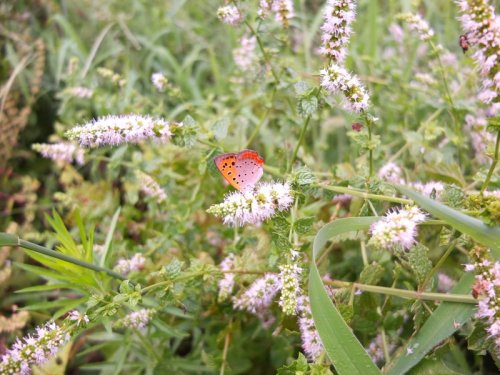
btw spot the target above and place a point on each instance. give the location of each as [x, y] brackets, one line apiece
[343, 348]
[45, 287]
[475, 228]
[109, 237]
[443, 322]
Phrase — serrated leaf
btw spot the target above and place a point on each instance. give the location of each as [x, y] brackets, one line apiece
[371, 274]
[419, 262]
[281, 242]
[301, 87]
[220, 128]
[307, 106]
[342, 347]
[475, 228]
[304, 225]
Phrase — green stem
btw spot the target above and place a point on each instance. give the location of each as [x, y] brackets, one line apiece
[362, 194]
[12, 240]
[438, 264]
[299, 142]
[493, 165]
[409, 294]
[264, 53]
[370, 151]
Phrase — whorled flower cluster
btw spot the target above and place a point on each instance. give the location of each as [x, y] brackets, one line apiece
[230, 14]
[476, 127]
[226, 284]
[244, 56]
[392, 173]
[79, 92]
[78, 317]
[125, 266]
[311, 342]
[487, 284]
[151, 188]
[336, 79]
[397, 228]
[255, 205]
[290, 279]
[137, 319]
[259, 296]
[482, 29]
[159, 81]
[33, 349]
[418, 24]
[62, 151]
[339, 15]
[283, 10]
[116, 130]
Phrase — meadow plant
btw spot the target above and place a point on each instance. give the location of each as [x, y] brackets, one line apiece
[336, 243]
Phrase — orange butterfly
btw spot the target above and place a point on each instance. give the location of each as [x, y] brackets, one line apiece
[241, 170]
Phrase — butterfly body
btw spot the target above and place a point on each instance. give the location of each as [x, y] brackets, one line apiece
[242, 170]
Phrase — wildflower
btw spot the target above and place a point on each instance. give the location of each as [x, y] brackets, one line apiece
[151, 188]
[339, 14]
[62, 151]
[78, 317]
[159, 81]
[264, 8]
[255, 205]
[125, 266]
[444, 282]
[33, 349]
[391, 172]
[396, 32]
[418, 24]
[259, 296]
[430, 189]
[375, 349]
[79, 92]
[290, 278]
[398, 227]
[137, 319]
[487, 284]
[336, 78]
[230, 15]
[311, 342]
[115, 130]
[226, 284]
[283, 11]
[482, 28]
[244, 56]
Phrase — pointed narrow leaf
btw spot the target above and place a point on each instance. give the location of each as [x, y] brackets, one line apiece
[443, 322]
[109, 237]
[475, 228]
[343, 348]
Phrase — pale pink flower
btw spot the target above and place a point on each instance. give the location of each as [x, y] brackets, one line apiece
[283, 11]
[253, 206]
[339, 15]
[151, 188]
[391, 172]
[398, 227]
[244, 56]
[116, 130]
[62, 151]
[230, 14]
[418, 24]
[137, 319]
[290, 278]
[226, 284]
[336, 79]
[125, 266]
[311, 342]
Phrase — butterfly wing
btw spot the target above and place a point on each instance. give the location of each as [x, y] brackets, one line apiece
[226, 164]
[248, 168]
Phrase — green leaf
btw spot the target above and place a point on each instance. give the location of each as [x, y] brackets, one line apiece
[109, 237]
[443, 322]
[303, 226]
[475, 228]
[220, 128]
[299, 366]
[343, 348]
